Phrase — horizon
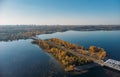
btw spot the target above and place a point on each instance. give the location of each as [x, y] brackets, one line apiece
[112, 25]
[60, 12]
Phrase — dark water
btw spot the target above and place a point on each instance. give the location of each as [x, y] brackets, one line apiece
[23, 59]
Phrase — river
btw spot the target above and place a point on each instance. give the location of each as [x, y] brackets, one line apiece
[21, 58]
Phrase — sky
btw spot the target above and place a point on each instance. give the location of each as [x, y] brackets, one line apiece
[60, 12]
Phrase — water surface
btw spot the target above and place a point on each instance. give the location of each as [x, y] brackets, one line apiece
[21, 58]
[109, 40]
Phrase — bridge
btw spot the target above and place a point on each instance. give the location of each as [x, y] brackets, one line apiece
[35, 38]
[114, 64]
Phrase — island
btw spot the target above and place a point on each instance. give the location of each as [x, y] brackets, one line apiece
[71, 55]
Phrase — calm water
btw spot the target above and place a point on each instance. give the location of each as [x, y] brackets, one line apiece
[109, 40]
[23, 59]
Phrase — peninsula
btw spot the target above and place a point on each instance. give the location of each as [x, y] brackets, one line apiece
[71, 55]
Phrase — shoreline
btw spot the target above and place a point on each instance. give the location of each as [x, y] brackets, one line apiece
[25, 32]
[65, 56]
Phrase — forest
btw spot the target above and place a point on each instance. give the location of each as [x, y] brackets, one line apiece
[15, 32]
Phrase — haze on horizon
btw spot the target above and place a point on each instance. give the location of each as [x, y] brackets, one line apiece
[62, 12]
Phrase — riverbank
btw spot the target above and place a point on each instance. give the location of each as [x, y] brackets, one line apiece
[15, 32]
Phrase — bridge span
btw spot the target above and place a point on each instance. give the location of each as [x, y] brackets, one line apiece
[114, 64]
[35, 38]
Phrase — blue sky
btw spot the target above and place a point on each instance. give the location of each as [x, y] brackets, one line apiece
[52, 12]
